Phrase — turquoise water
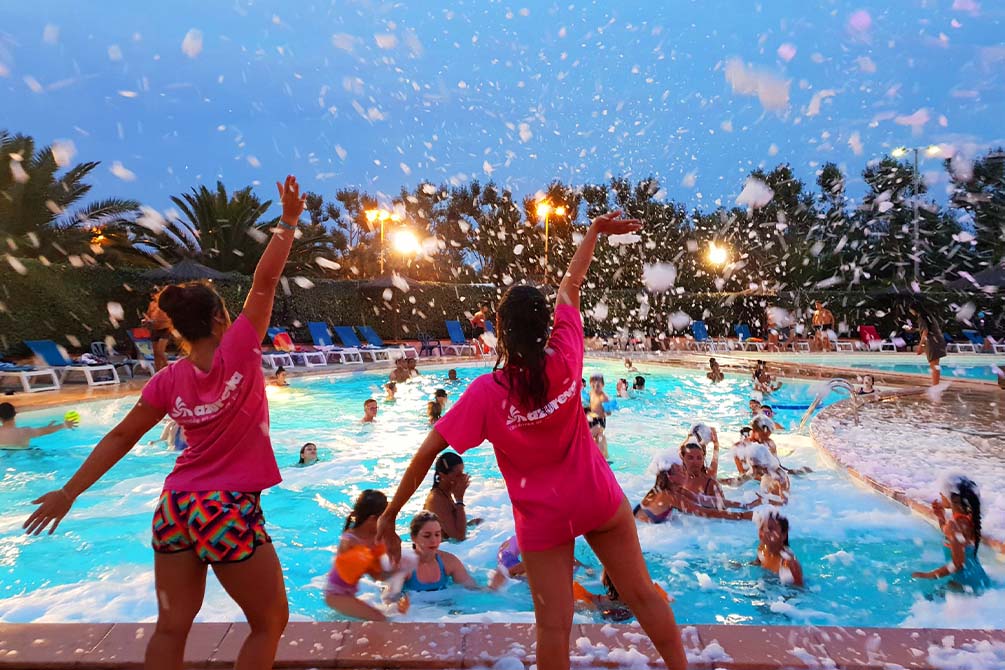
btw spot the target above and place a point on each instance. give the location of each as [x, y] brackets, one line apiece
[949, 371]
[857, 548]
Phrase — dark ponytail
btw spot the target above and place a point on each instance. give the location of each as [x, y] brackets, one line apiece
[192, 308]
[446, 462]
[369, 503]
[967, 498]
[522, 338]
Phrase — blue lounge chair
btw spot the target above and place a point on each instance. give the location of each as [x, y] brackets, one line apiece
[373, 339]
[322, 337]
[281, 340]
[50, 354]
[742, 331]
[350, 339]
[458, 343]
[701, 339]
[26, 373]
[976, 340]
[107, 352]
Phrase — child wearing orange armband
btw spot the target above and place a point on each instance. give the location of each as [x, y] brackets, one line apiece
[358, 554]
[608, 604]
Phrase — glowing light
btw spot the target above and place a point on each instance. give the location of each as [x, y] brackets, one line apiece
[933, 150]
[899, 152]
[405, 242]
[543, 209]
[717, 255]
[560, 211]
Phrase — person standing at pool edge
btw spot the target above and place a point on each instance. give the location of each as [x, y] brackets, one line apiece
[528, 406]
[217, 394]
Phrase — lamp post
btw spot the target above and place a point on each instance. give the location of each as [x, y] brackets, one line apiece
[899, 152]
[545, 209]
[381, 215]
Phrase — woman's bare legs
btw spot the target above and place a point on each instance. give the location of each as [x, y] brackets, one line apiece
[616, 544]
[936, 372]
[180, 582]
[550, 576]
[257, 586]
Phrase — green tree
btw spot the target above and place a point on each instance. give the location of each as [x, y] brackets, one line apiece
[39, 207]
[979, 190]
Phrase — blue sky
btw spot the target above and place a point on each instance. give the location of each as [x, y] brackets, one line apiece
[379, 95]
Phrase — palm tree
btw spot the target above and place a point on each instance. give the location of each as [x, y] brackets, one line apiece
[36, 202]
[224, 232]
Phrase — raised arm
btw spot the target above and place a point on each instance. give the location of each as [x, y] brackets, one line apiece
[609, 224]
[258, 304]
[53, 427]
[410, 482]
[53, 506]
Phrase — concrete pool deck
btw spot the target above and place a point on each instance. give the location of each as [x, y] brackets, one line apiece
[338, 644]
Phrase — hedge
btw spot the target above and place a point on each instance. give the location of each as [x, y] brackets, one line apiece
[70, 306]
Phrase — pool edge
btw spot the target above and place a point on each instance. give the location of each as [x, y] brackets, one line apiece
[343, 644]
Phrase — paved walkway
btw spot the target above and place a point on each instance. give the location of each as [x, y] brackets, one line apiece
[508, 646]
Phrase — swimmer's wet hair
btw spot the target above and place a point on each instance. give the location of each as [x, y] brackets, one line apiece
[420, 520]
[7, 411]
[369, 503]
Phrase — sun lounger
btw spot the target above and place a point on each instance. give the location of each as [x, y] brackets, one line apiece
[872, 341]
[742, 331]
[26, 374]
[350, 339]
[373, 339]
[458, 343]
[323, 341]
[701, 342]
[102, 350]
[283, 343]
[51, 355]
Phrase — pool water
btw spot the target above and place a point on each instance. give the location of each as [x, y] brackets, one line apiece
[977, 367]
[857, 548]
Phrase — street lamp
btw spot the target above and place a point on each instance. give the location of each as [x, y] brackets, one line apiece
[381, 215]
[544, 209]
[405, 242]
[931, 150]
[717, 255]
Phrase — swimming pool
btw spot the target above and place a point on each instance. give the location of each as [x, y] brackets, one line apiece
[857, 548]
[978, 367]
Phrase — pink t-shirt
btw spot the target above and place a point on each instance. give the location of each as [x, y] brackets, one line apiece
[225, 416]
[560, 485]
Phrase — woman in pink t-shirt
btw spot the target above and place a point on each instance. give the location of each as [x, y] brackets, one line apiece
[209, 511]
[529, 408]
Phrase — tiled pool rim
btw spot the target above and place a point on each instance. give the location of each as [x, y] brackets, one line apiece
[342, 644]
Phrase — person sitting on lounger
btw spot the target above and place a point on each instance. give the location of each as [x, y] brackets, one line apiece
[13, 436]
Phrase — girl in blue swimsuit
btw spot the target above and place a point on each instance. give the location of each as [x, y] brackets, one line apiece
[962, 529]
[437, 569]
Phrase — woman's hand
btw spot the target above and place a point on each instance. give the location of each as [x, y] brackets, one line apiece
[387, 535]
[292, 201]
[52, 507]
[612, 224]
[460, 486]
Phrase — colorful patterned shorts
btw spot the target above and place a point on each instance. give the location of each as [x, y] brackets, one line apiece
[220, 526]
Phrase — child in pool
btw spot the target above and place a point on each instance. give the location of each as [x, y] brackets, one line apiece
[434, 411]
[774, 553]
[358, 554]
[598, 413]
[392, 389]
[961, 498]
[609, 603]
[509, 564]
[623, 389]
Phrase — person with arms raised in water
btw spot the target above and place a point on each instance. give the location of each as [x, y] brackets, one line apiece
[209, 513]
[529, 408]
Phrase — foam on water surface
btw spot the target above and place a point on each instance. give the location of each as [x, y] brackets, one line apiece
[856, 547]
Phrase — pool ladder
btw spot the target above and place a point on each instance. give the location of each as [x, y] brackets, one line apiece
[832, 385]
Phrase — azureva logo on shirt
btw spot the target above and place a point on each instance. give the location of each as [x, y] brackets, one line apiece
[208, 409]
[536, 415]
